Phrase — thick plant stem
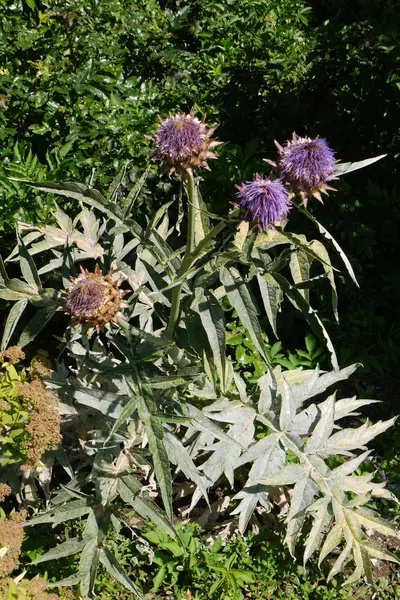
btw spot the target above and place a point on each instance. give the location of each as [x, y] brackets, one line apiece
[193, 209]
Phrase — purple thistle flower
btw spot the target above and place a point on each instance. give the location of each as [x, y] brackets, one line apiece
[306, 164]
[264, 201]
[183, 141]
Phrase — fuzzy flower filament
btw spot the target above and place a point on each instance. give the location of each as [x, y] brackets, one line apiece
[264, 201]
[183, 142]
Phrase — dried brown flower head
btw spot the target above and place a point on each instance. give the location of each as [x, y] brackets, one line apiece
[14, 354]
[44, 421]
[5, 491]
[94, 298]
[11, 536]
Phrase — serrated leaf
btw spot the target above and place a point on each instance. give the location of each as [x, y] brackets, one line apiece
[322, 519]
[324, 426]
[240, 298]
[28, 267]
[161, 463]
[68, 548]
[343, 168]
[346, 407]
[129, 489]
[341, 562]
[346, 440]
[213, 321]
[12, 320]
[300, 269]
[271, 296]
[332, 541]
[288, 406]
[309, 313]
[113, 567]
[88, 567]
[179, 456]
[289, 474]
[37, 323]
[349, 466]
[126, 412]
[369, 518]
[303, 495]
[377, 551]
[334, 243]
[321, 251]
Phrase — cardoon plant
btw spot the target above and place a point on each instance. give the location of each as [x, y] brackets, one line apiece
[145, 381]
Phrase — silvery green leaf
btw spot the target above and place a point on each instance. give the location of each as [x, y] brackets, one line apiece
[300, 269]
[88, 564]
[308, 383]
[205, 424]
[130, 491]
[332, 541]
[324, 426]
[321, 251]
[288, 406]
[28, 267]
[362, 485]
[293, 531]
[68, 548]
[377, 551]
[347, 407]
[261, 448]
[271, 296]
[230, 411]
[303, 495]
[240, 386]
[345, 441]
[37, 323]
[12, 321]
[109, 404]
[226, 454]
[162, 469]
[349, 466]
[241, 299]
[304, 420]
[341, 561]
[343, 168]
[180, 456]
[322, 520]
[213, 321]
[370, 519]
[289, 474]
[270, 458]
[113, 567]
[268, 387]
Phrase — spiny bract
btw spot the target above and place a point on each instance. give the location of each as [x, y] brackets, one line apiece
[183, 142]
[94, 298]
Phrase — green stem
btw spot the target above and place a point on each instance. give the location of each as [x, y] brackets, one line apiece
[193, 209]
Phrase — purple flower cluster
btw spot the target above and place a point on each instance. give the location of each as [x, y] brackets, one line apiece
[306, 163]
[264, 201]
[183, 141]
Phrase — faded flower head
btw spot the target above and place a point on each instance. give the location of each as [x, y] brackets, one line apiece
[184, 141]
[264, 201]
[307, 165]
[43, 428]
[94, 298]
[14, 354]
[5, 491]
[11, 536]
